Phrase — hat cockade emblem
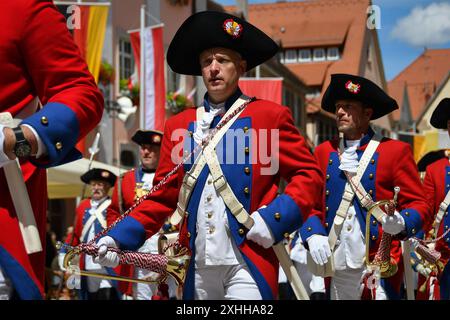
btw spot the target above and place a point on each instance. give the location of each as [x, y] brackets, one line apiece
[156, 139]
[105, 174]
[352, 87]
[233, 28]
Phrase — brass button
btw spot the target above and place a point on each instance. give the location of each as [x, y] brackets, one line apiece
[212, 229]
[246, 190]
[448, 173]
[286, 235]
[371, 191]
[326, 209]
[191, 133]
[331, 161]
[209, 181]
[446, 227]
[247, 170]
[371, 176]
[208, 198]
[349, 217]
[186, 214]
[372, 161]
[349, 228]
[44, 120]
[309, 229]
[328, 176]
[241, 231]
[247, 150]
[58, 145]
[413, 231]
[277, 216]
[327, 192]
[448, 186]
[245, 129]
[374, 222]
[188, 234]
[326, 224]
[448, 239]
[407, 213]
[373, 238]
[209, 214]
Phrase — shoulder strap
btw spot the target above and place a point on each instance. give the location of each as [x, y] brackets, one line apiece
[190, 178]
[347, 197]
[442, 208]
[96, 215]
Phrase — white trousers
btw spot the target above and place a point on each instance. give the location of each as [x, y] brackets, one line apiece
[5, 287]
[225, 283]
[345, 285]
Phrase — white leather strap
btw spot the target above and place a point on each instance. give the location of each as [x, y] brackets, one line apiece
[190, 178]
[97, 215]
[348, 195]
[442, 208]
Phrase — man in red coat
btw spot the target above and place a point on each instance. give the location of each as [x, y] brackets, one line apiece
[437, 190]
[135, 184]
[90, 219]
[46, 86]
[228, 261]
[380, 164]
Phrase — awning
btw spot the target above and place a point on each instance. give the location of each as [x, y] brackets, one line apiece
[64, 181]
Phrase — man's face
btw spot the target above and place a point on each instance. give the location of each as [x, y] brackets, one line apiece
[99, 189]
[149, 155]
[351, 117]
[221, 69]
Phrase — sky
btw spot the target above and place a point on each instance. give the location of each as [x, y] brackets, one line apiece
[407, 27]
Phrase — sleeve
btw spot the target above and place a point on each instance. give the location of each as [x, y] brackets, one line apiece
[303, 194]
[149, 216]
[412, 202]
[429, 188]
[72, 103]
[113, 211]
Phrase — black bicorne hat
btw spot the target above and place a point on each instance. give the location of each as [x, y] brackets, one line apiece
[347, 86]
[210, 29]
[429, 158]
[441, 114]
[99, 174]
[147, 137]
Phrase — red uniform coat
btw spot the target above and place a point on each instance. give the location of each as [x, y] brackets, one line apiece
[392, 165]
[283, 214]
[38, 58]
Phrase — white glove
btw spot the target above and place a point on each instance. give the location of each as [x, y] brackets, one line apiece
[393, 224]
[107, 258]
[260, 232]
[423, 270]
[319, 248]
[61, 261]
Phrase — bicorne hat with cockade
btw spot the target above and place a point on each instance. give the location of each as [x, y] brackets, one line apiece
[351, 87]
[142, 137]
[99, 174]
[210, 29]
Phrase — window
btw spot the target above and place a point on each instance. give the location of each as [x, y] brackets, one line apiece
[126, 59]
[304, 55]
[319, 54]
[291, 56]
[333, 53]
[281, 57]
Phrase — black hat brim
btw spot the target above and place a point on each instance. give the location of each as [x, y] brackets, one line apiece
[430, 158]
[99, 174]
[441, 114]
[368, 93]
[142, 137]
[205, 30]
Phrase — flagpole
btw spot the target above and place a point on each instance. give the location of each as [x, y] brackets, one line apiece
[142, 76]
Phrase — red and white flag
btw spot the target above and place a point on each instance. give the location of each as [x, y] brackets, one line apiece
[268, 89]
[154, 83]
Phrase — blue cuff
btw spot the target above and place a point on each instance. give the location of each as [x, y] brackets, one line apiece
[413, 222]
[312, 226]
[129, 233]
[58, 128]
[282, 216]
